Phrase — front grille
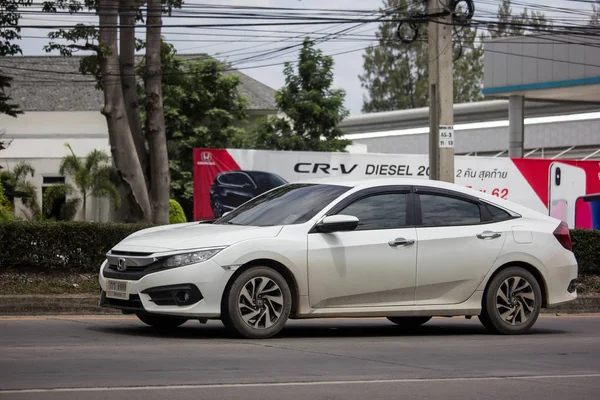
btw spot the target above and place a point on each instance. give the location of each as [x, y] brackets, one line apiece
[129, 267]
[135, 263]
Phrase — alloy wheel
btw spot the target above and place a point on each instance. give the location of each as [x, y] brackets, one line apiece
[260, 302]
[515, 300]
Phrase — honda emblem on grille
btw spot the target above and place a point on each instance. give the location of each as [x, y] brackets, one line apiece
[121, 266]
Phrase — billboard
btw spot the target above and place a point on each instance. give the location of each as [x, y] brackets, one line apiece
[566, 189]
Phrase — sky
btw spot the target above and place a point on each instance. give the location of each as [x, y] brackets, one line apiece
[253, 41]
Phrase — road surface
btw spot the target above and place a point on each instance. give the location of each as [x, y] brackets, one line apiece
[449, 358]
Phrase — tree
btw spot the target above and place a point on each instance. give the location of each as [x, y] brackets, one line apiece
[9, 32]
[202, 108]
[313, 109]
[595, 18]
[93, 176]
[141, 160]
[396, 74]
[17, 186]
[516, 25]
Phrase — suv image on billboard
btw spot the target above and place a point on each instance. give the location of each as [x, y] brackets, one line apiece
[231, 189]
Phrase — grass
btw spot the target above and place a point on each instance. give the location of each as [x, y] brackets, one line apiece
[47, 283]
[55, 282]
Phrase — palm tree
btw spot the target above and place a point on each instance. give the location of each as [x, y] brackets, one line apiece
[17, 186]
[93, 176]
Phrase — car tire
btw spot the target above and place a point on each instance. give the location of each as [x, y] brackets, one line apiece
[258, 304]
[512, 302]
[161, 321]
[409, 322]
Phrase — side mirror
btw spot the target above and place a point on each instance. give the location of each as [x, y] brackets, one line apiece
[337, 223]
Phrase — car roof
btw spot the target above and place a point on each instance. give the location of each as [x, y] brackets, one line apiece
[246, 171]
[368, 182]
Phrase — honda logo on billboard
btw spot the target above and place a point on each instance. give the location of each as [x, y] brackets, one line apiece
[206, 158]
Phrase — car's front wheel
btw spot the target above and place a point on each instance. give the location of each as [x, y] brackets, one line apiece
[161, 321]
[409, 322]
[512, 302]
[258, 303]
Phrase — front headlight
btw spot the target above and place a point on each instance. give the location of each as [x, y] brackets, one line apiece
[180, 260]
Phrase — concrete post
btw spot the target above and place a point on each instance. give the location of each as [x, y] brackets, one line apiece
[441, 98]
[516, 126]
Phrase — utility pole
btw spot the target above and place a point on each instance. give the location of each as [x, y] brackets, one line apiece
[441, 96]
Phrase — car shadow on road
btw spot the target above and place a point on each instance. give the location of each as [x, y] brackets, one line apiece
[302, 330]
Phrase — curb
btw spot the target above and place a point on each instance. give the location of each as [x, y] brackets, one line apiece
[85, 304]
[58, 304]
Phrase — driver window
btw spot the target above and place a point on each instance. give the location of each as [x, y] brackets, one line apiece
[380, 211]
[240, 179]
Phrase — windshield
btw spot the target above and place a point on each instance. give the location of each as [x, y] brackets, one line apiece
[285, 205]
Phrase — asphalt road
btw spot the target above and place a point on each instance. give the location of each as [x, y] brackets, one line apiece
[120, 358]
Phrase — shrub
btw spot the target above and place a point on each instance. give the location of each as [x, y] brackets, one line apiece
[6, 213]
[82, 246]
[176, 214]
[70, 246]
[586, 246]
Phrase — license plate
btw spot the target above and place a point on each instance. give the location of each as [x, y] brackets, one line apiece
[117, 289]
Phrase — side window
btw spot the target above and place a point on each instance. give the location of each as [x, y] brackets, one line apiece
[382, 211]
[498, 214]
[239, 179]
[225, 179]
[440, 210]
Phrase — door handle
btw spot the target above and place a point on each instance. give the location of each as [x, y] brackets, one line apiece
[401, 242]
[489, 235]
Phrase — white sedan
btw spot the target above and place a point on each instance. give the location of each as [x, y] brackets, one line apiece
[399, 248]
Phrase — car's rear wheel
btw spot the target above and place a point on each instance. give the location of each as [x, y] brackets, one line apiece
[258, 304]
[161, 321]
[409, 322]
[512, 302]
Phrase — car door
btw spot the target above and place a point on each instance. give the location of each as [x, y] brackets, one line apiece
[242, 189]
[374, 265]
[458, 244]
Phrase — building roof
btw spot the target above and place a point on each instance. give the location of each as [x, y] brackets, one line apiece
[54, 83]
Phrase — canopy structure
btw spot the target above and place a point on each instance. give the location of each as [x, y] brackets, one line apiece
[559, 68]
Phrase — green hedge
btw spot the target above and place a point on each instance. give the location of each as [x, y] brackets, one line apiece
[82, 246]
[586, 246]
[71, 246]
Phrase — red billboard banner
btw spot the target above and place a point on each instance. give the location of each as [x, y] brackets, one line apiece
[566, 189]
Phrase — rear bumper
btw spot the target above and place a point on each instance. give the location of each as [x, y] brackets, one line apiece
[561, 280]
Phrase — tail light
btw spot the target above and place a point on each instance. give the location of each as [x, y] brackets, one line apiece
[562, 234]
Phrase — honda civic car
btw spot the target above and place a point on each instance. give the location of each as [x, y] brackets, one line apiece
[402, 249]
[231, 189]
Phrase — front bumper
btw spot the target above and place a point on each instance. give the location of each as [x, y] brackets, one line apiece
[157, 292]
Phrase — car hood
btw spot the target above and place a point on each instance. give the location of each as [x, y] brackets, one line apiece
[192, 235]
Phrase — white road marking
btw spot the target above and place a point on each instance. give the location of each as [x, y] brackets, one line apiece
[284, 384]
